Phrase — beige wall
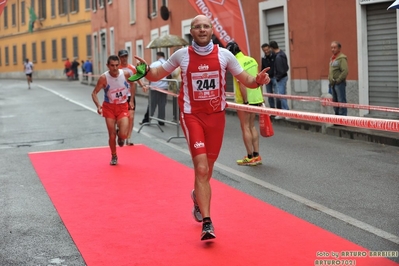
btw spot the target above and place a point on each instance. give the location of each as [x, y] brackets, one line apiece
[74, 24]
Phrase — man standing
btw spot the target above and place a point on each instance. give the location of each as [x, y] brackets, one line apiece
[337, 77]
[268, 61]
[74, 68]
[202, 105]
[123, 56]
[280, 73]
[28, 69]
[157, 99]
[254, 97]
[115, 105]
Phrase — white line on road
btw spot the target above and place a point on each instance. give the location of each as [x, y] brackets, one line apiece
[340, 216]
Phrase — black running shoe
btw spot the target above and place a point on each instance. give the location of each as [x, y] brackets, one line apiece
[114, 160]
[196, 210]
[208, 232]
[121, 142]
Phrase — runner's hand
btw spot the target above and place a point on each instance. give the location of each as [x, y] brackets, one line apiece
[262, 77]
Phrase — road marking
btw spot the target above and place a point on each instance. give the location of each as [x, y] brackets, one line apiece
[340, 216]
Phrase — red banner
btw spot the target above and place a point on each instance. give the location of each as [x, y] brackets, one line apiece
[2, 5]
[227, 19]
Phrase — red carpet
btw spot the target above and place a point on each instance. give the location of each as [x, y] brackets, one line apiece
[139, 213]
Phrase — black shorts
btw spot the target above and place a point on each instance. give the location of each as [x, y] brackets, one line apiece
[29, 75]
[134, 101]
[256, 104]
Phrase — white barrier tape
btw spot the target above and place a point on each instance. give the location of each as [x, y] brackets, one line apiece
[329, 102]
[163, 91]
[361, 106]
[361, 122]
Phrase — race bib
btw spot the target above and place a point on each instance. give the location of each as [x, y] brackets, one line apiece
[205, 85]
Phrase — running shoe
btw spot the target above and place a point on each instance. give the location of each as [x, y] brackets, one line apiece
[257, 160]
[121, 142]
[196, 210]
[208, 232]
[247, 161]
[114, 160]
[129, 143]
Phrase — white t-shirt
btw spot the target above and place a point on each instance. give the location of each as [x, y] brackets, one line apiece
[28, 67]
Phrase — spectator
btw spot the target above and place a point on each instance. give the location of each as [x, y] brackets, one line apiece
[67, 67]
[268, 61]
[74, 68]
[88, 67]
[83, 69]
[157, 99]
[337, 77]
[280, 74]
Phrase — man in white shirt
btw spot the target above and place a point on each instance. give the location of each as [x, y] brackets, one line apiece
[28, 69]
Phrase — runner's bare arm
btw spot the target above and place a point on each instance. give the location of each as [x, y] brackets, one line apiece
[101, 83]
[254, 82]
[153, 74]
[132, 89]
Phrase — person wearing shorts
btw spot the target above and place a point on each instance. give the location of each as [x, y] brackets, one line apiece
[202, 103]
[115, 106]
[28, 69]
[123, 56]
[243, 95]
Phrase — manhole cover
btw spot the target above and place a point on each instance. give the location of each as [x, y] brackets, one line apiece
[30, 144]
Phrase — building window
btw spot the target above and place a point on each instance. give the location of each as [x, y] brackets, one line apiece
[34, 54]
[62, 7]
[14, 54]
[54, 50]
[94, 5]
[43, 51]
[64, 48]
[5, 14]
[23, 13]
[23, 52]
[109, 2]
[32, 3]
[154, 8]
[13, 15]
[87, 4]
[75, 47]
[53, 8]
[88, 45]
[0, 58]
[6, 55]
[101, 3]
[132, 11]
[74, 6]
[42, 9]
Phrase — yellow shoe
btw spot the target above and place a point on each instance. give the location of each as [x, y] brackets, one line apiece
[246, 161]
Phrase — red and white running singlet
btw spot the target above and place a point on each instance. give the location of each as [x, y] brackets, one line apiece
[117, 88]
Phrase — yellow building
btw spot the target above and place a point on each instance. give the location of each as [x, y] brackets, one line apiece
[62, 29]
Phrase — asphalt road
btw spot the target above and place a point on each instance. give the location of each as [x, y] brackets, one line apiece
[345, 186]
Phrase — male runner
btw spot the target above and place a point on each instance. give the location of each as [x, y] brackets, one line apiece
[28, 69]
[115, 107]
[202, 103]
